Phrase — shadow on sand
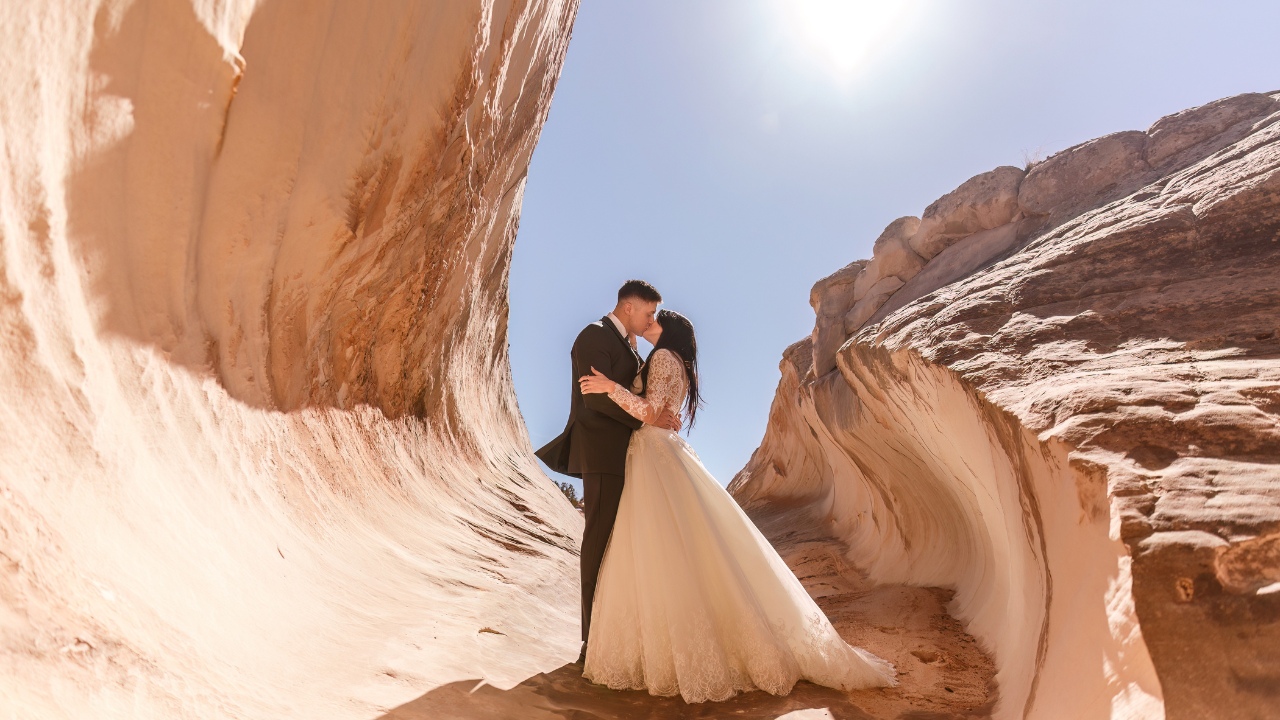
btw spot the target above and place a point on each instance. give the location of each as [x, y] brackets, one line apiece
[563, 693]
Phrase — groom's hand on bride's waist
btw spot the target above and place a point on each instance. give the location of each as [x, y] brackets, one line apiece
[669, 421]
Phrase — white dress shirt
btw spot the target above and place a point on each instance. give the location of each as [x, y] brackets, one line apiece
[618, 324]
[635, 384]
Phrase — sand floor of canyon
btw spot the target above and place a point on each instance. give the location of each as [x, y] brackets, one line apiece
[943, 673]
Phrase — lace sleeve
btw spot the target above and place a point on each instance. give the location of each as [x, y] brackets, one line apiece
[666, 385]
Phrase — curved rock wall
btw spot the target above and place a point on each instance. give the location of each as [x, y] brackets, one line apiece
[1058, 392]
[261, 450]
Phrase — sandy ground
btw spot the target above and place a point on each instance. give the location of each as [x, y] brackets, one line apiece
[943, 672]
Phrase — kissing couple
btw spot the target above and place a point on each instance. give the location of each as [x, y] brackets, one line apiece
[681, 594]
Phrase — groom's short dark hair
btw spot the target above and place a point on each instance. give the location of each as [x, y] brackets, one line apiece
[639, 289]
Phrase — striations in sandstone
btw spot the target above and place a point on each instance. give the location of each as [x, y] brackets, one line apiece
[1058, 393]
[261, 452]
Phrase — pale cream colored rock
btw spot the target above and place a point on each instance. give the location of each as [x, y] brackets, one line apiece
[892, 256]
[830, 299]
[964, 257]
[260, 454]
[866, 307]
[892, 250]
[870, 275]
[832, 295]
[982, 202]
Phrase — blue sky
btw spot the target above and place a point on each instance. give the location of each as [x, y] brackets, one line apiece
[733, 152]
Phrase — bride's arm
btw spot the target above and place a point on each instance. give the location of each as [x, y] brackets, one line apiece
[635, 406]
[661, 379]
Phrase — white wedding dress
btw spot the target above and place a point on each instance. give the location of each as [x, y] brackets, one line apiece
[691, 599]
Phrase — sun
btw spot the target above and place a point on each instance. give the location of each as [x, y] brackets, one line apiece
[841, 35]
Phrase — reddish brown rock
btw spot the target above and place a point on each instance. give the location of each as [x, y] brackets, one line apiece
[1205, 129]
[1085, 175]
[1077, 425]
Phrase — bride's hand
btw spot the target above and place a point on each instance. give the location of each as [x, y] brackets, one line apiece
[669, 421]
[596, 382]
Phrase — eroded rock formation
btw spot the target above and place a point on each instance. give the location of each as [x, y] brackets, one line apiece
[1058, 393]
[260, 449]
[259, 446]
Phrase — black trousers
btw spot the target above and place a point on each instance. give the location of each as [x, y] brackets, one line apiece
[600, 495]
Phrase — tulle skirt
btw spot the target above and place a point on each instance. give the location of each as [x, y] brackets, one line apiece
[692, 600]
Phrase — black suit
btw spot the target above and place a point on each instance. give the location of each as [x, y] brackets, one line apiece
[594, 443]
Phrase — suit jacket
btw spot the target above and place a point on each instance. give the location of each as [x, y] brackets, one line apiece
[596, 436]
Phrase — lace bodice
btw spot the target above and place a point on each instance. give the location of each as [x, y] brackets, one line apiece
[667, 386]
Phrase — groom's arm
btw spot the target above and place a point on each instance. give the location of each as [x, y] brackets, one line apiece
[587, 355]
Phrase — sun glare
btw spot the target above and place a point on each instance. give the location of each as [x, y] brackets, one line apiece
[842, 35]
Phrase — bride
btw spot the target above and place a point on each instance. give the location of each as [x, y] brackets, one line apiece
[691, 599]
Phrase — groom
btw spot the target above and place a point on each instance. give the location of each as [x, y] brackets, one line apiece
[594, 443]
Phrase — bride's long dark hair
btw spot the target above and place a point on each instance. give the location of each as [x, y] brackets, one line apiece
[677, 336]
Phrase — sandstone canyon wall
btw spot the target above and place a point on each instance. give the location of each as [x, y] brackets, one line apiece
[1058, 392]
[260, 454]
[260, 448]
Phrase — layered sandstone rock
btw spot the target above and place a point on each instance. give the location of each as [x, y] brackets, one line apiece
[1069, 412]
[259, 449]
